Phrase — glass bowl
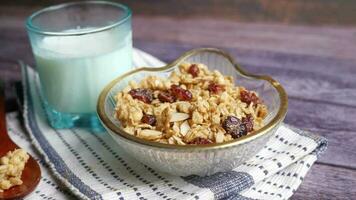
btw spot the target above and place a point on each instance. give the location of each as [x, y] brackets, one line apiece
[197, 159]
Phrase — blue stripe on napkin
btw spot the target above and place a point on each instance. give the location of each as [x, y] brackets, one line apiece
[52, 155]
[223, 184]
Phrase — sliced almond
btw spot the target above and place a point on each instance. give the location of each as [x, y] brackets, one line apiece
[149, 134]
[219, 137]
[184, 128]
[176, 117]
[144, 126]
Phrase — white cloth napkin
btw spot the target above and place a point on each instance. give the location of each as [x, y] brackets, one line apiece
[77, 163]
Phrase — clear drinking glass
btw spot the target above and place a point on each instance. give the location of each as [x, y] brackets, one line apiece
[79, 47]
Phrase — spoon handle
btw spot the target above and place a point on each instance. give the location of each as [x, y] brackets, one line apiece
[3, 131]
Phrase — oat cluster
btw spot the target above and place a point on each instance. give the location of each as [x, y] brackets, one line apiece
[192, 106]
[11, 167]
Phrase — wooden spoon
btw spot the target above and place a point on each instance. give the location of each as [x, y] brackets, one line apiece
[31, 175]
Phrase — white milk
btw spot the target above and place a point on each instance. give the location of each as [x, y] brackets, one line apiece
[74, 69]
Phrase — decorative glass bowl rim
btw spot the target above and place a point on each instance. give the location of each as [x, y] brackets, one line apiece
[31, 27]
[264, 130]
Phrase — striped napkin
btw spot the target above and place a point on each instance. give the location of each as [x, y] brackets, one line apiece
[77, 163]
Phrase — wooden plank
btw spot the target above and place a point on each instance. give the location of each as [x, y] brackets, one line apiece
[323, 41]
[330, 122]
[336, 123]
[307, 114]
[334, 42]
[327, 182]
[16, 45]
[338, 89]
[326, 41]
[281, 11]
[341, 148]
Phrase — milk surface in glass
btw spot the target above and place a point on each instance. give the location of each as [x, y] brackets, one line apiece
[74, 69]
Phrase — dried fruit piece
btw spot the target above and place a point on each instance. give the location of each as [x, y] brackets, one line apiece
[166, 97]
[248, 121]
[216, 88]
[249, 97]
[148, 119]
[200, 141]
[193, 70]
[234, 126]
[142, 94]
[180, 93]
[176, 117]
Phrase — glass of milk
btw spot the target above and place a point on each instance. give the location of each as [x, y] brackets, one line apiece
[79, 48]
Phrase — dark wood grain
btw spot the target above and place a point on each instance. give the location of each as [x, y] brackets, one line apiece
[326, 41]
[325, 182]
[316, 65]
[319, 12]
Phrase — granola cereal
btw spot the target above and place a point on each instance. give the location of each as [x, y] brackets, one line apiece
[192, 106]
[11, 167]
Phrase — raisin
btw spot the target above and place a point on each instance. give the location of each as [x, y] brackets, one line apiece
[248, 121]
[234, 126]
[193, 70]
[148, 119]
[200, 141]
[180, 93]
[166, 97]
[216, 88]
[141, 94]
[249, 97]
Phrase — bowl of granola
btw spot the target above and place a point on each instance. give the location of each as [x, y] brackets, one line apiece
[200, 114]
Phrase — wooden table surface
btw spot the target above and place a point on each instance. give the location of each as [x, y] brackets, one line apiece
[315, 63]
